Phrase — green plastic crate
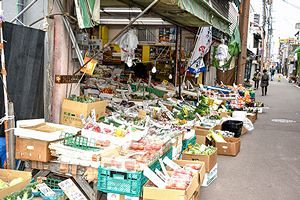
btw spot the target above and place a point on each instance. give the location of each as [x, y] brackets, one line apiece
[79, 142]
[125, 182]
[155, 91]
[52, 183]
[191, 141]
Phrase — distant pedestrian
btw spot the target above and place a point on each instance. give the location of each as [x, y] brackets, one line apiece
[264, 82]
[256, 79]
[272, 70]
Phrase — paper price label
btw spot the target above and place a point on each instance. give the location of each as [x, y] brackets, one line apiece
[45, 190]
[71, 190]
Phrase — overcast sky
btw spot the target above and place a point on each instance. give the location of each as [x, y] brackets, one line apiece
[285, 16]
[286, 13]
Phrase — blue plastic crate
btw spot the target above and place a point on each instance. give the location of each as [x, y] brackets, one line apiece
[125, 182]
[191, 141]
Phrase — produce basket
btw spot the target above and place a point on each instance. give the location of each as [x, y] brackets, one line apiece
[79, 142]
[52, 183]
[155, 91]
[234, 126]
[191, 141]
[125, 182]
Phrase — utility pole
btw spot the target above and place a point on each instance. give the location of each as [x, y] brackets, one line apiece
[270, 34]
[262, 64]
[244, 21]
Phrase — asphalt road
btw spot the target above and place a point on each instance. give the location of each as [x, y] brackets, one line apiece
[268, 166]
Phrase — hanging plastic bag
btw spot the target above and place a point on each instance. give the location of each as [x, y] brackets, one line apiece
[128, 43]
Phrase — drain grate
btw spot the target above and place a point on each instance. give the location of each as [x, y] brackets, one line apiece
[283, 121]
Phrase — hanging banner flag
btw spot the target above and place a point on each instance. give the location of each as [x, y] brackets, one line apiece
[203, 43]
[87, 12]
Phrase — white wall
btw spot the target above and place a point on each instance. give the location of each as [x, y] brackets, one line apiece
[37, 11]
[10, 9]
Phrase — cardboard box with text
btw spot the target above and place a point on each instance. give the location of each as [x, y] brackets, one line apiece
[230, 148]
[71, 111]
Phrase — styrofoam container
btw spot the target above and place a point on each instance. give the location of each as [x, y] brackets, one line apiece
[239, 115]
[23, 132]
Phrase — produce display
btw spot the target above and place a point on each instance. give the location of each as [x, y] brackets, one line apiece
[13, 182]
[135, 134]
[203, 106]
[200, 149]
[225, 133]
[24, 194]
[82, 99]
[180, 179]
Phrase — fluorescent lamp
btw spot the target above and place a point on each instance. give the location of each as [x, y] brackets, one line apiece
[150, 20]
[141, 21]
[121, 10]
[114, 20]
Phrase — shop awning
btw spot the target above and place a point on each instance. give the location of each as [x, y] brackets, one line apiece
[192, 13]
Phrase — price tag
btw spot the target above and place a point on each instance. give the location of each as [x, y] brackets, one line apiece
[142, 114]
[129, 89]
[168, 113]
[71, 190]
[45, 190]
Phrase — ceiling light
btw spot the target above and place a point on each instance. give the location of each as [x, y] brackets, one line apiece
[141, 21]
[121, 10]
[153, 70]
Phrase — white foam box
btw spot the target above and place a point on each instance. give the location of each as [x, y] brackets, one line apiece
[210, 176]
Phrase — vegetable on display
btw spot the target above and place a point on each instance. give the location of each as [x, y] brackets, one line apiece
[200, 149]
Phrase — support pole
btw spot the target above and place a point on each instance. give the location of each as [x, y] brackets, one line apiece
[176, 57]
[179, 62]
[11, 161]
[244, 20]
[262, 61]
[71, 33]
[9, 122]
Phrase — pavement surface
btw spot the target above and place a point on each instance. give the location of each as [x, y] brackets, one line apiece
[268, 166]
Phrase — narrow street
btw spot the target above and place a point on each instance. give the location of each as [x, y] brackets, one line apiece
[268, 166]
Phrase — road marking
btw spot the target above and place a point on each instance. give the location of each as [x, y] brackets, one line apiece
[283, 121]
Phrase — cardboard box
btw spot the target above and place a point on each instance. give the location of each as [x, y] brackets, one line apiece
[244, 131]
[154, 193]
[252, 117]
[30, 149]
[200, 139]
[71, 111]
[202, 131]
[201, 171]
[224, 114]
[231, 148]
[196, 195]
[40, 165]
[210, 161]
[8, 175]
[177, 147]
[218, 127]
[210, 176]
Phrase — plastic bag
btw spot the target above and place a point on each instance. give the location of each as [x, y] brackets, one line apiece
[128, 41]
[248, 124]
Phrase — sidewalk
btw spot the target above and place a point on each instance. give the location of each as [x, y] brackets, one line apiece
[268, 166]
